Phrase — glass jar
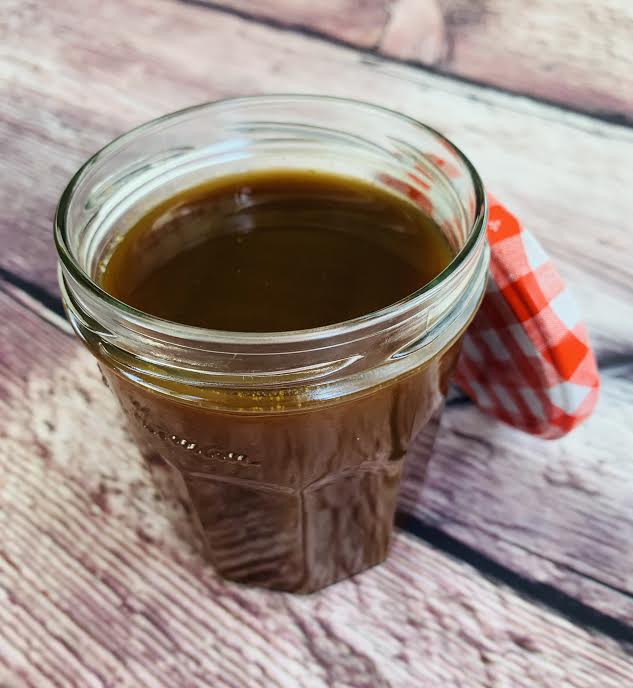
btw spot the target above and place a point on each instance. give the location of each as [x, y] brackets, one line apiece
[288, 447]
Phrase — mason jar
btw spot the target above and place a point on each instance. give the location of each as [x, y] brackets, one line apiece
[287, 447]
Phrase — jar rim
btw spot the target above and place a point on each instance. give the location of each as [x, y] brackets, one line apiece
[168, 327]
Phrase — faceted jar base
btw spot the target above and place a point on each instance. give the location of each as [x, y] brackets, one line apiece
[291, 501]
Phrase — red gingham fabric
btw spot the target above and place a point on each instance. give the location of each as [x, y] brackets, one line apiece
[526, 357]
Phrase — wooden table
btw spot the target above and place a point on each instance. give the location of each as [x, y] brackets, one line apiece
[514, 565]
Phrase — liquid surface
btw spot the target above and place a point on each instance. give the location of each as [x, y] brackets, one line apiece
[291, 501]
[275, 251]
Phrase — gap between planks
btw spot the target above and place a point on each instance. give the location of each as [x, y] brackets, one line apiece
[66, 103]
[545, 594]
[617, 119]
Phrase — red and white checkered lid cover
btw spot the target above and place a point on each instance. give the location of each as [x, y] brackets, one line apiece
[526, 357]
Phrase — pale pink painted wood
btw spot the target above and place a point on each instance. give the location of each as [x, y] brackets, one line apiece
[555, 511]
[97, 589]
[574, 53]
[76, 505]
[359, 22]
[71, 86]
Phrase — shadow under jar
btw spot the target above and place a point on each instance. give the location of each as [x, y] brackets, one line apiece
[287, 447]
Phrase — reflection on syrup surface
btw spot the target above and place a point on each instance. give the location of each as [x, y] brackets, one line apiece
[288, 498]
[276, 251]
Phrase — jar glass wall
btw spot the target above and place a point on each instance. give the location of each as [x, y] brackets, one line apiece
[288, 447]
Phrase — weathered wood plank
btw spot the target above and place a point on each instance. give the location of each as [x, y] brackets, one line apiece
[557, 512]
[487, 483]
[97, 589]
[488, 494]
[573, 53]
[67, 103]
[72, 86]
[358, 22]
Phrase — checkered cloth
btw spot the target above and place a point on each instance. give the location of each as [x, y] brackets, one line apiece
[526, 357]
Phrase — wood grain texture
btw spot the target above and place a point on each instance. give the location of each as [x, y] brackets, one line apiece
[71, 87]
[487, 483]
[358, 22]
[97, 589]
[553, 512]
[557, 512]
[575, 52]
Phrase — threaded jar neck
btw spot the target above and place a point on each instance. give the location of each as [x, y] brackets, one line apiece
[136, 172]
